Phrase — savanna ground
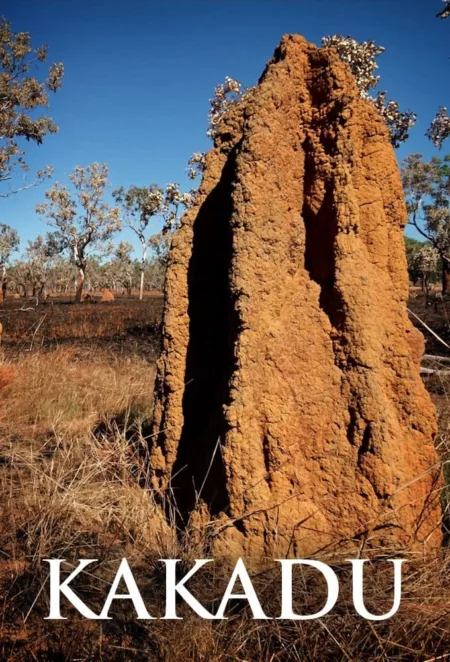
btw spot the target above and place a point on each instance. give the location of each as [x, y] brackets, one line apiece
[76, 387]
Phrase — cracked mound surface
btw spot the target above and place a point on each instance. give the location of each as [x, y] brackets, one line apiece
[289, 406]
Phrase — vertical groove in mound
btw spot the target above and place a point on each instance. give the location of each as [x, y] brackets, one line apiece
[198, 470]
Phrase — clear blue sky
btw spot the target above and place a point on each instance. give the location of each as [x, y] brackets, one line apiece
[139, 73]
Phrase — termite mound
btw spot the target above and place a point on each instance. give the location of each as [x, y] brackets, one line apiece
[289, 407]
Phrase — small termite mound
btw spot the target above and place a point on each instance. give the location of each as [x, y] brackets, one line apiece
[107, 296]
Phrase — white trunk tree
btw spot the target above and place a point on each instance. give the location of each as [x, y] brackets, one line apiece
[141, 205]
[84, 224]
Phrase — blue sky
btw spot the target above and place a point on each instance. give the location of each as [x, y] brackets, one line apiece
[139, 74]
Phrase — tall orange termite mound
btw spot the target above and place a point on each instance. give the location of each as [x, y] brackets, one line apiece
[289, 405]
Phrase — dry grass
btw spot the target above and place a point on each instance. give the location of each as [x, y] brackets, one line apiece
[69, 391]
[74, 484]
[94, 502]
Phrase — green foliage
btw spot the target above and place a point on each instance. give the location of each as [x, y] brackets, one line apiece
[141, 205]
[427, 190]
[9, 243]
[413, 247]
[21, 95]
[83, 224]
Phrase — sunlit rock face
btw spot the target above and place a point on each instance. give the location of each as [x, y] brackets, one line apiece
[289, 408]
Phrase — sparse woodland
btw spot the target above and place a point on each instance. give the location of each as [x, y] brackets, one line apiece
[80, 322]
[82, 250]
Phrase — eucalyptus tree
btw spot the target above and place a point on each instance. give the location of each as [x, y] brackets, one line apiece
[226, 94]
[21, 97]
[412, 249]
[38, 260]
[427, 263]
[427, 190]
[121, 269]
[440, 127]
[361, 57]
[83, 223]
[9, 244]
[62, 275]
[141, 205]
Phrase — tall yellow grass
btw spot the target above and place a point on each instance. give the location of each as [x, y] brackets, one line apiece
[70, 390]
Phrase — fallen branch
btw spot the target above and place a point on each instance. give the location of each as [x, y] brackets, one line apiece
[432, 357]
[430, 371]
[428, 328]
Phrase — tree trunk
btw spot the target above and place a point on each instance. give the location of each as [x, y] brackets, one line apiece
[141, 287]
[445, 277]
[427, 289]
[143, 259]
[4, 284]
[80, 283]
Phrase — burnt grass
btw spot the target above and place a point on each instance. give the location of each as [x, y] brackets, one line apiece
[125, 325]
[435, 313]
